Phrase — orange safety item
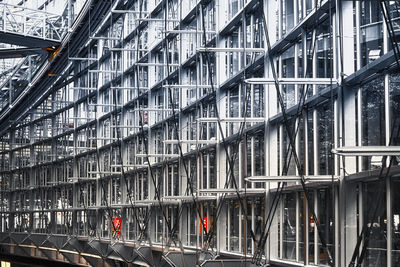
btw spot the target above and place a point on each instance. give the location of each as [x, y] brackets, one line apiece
[116, 228]
[206, 224]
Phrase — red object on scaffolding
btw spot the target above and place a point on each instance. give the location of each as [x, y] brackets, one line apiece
[116, 228]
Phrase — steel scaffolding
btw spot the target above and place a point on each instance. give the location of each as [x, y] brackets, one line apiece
[200, 133]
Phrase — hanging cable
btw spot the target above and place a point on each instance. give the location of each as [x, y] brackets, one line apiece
[292, 142]
[142, 131]
[175, 117]
[231, 158]
[364, 237]
[119, 139]
[288, 156]
[102, 180]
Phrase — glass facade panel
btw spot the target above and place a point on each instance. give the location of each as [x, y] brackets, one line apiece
[302, 226]
[287, 15]
[232, 231]
[288, 68]
[394, 91]
[376, 249]
[139, 117]
[325, 133]
[373, 118]
[289, 227]
[311, 227]
[371, 31]
[395, 222]
[326, 223]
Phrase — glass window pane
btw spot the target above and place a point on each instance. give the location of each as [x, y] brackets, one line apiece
[376, 250]
[325, 132]
[373, 118]
[325, 220]
[396, 223]
[289, 227]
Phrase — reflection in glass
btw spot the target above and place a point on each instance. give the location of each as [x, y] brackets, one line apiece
[287, 157]
[323, 53]
[311, 227]
[249, 216]
[287, 16]
[325, 132]
[288, 72]
[233, 109]
[396, 223]
[394, 94]
[373, 118]
[233, 7]
[371, 31]
[376, 250]
[289, 227]
[325, 220]
[232, 221]
[310, 141]
[302, 223]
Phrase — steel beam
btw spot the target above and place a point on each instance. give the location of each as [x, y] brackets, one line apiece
[367, 151]
[20, 52]
[28, 41]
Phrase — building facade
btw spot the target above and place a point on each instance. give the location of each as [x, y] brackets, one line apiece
[210, 132]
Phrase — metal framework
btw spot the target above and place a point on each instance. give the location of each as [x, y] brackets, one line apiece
[200, 133]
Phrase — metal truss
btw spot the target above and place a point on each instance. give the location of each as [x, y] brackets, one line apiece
[97, 148]
[31, 27]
